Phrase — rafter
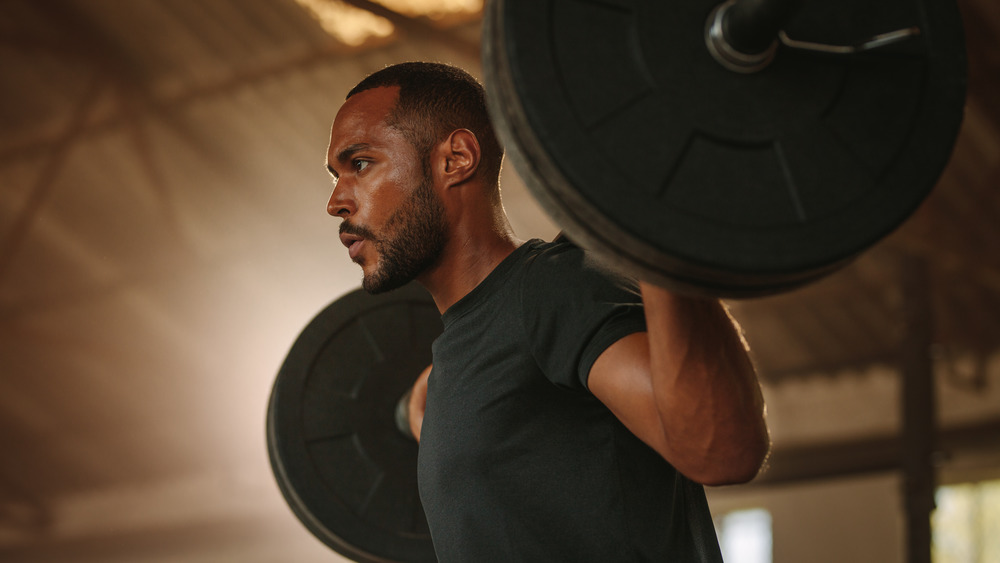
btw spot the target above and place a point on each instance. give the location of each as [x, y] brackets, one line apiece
[325, 53]
[40, 191]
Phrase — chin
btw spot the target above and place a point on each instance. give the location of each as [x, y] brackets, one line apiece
[376, 286]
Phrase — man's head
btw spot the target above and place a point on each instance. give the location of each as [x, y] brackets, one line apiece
[434, 100]
[405, 134]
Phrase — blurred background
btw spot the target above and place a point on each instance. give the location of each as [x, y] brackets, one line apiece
[163, 239]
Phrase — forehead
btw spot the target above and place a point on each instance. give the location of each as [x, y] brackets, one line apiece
[362, 120]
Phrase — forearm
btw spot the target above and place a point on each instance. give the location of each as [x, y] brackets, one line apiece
[705, 388]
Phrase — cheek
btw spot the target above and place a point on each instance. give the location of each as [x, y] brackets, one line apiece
[381, 205]
[390, 191]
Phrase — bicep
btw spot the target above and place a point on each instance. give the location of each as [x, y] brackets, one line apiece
[620, 378]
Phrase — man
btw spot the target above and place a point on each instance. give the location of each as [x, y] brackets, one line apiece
[571, 415]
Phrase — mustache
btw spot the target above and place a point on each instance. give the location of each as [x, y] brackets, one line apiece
[357, 230]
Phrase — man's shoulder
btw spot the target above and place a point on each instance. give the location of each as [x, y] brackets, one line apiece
[563, 255]
[559, 251]
[561, 265]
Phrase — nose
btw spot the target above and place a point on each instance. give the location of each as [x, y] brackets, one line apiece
[341, 202]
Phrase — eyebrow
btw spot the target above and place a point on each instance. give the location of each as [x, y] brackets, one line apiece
[346, 154]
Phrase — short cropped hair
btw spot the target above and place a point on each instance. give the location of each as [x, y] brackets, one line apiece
[434, 100]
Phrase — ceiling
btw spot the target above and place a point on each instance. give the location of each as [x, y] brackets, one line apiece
[163, 238]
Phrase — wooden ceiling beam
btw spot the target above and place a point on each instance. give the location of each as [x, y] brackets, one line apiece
[870, 455]
[240, 79]
[39, 193]
[951, 262]
[858, 363]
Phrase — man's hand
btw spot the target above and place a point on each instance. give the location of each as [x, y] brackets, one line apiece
[418, 403]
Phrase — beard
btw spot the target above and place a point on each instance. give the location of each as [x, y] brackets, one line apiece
[414, 238]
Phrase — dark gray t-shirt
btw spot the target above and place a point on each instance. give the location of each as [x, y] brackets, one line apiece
[518, 460]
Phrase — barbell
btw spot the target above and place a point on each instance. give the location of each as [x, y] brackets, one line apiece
[634, 128]
[346, 469]
[736, 149]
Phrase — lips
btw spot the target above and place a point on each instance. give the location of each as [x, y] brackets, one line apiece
[353, 244]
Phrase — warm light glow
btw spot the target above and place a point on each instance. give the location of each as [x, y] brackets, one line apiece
[434, 9]
[354, 26]
[350, 25]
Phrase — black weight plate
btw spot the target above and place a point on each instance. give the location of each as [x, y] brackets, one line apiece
[649, 152]
[342, 465]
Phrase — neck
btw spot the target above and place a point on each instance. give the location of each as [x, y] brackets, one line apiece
[478, 243]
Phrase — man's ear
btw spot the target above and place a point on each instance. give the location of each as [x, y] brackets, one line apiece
[458, 157]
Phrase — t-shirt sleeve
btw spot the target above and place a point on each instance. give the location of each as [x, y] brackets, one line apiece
[574, 308]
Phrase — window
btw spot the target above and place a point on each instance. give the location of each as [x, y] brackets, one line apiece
[965, 523]
[745, 536]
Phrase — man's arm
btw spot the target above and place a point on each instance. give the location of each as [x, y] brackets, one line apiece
[688, 389]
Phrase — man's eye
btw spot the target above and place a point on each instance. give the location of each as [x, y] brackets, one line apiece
[360, 165]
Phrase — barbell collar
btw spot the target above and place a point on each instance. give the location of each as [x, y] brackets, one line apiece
[742, 35]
